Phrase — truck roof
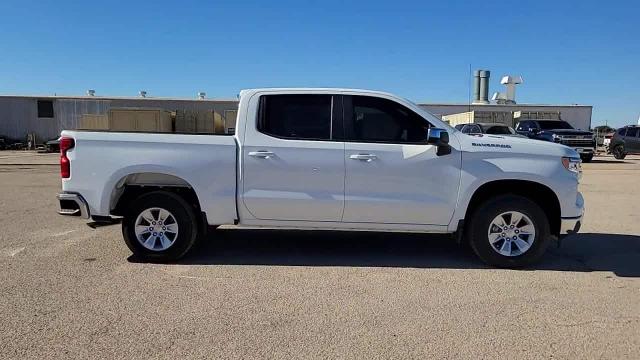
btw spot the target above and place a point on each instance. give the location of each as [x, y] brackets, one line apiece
[321, 90]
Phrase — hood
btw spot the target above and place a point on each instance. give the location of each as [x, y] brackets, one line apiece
[566, 132]
[512, 144]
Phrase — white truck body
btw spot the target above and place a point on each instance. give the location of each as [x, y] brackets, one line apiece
[257, 179]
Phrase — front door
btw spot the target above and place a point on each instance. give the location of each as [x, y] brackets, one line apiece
[292, 161]
[392, 175]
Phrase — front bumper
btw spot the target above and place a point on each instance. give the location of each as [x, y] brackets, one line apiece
[570, 226]
[584, 150]
[73, 204]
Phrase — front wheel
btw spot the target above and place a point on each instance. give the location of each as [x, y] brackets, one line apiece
[160, 226]
[586, 158]
[509, 231]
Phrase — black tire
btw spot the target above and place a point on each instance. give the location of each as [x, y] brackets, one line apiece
[586, 158]
[481, 219]
[618, 152]
[188, 229]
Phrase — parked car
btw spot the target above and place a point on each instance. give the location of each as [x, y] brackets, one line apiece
[334, 159]
[626, 140]
[560, 132]
[487, 128]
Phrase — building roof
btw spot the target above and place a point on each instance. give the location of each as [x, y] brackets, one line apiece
[476, 106]
[97, 97]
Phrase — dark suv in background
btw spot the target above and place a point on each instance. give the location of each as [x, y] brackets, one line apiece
[626, 140]
[560, 132]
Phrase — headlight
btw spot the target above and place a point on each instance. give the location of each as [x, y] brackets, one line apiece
[572, 164]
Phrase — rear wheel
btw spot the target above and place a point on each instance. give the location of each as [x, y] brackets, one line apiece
[160, 226]
[509, 231]
[618, 152]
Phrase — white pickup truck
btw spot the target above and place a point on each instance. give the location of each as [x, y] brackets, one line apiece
[334, 159]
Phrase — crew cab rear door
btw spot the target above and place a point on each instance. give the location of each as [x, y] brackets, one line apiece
[392, 175]
[293, 158]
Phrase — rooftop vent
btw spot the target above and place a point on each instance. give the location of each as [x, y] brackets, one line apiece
[202, 95]
[481, 87]
[91, 92]
[508, 97]
[142, 93]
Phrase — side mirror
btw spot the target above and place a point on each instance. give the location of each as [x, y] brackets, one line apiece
[439, 138]
[534, 131]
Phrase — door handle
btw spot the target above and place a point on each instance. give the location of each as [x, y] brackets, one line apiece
[261, 154]
[363, 157]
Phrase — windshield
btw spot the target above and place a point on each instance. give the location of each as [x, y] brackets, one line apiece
[500, 130]
[557, 124]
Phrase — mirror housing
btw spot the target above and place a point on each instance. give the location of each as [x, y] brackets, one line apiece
[439, 138]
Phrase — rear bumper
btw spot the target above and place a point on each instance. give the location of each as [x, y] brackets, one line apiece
[73, 204]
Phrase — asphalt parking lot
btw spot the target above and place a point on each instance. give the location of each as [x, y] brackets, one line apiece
[68, 290]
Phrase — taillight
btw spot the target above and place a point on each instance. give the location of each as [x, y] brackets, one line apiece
[66, 144]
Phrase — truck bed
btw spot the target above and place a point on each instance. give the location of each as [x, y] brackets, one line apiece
[206, 163]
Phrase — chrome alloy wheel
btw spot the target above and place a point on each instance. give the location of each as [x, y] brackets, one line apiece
[156, 229]
[511, 233]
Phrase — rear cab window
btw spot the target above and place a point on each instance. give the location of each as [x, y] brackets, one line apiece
[293, 116]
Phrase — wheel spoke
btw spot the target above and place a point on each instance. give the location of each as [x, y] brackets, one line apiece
[142, 229]
[147, 216]
[493, 238]
[172, 228]
[522, 245]
[163, 215]
[515, 218]
[150, 242]
[527, 229]
[165, 242]
[505, 249]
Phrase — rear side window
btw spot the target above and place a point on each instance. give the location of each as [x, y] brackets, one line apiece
[632, 132]
[296, 116]
[373, 119]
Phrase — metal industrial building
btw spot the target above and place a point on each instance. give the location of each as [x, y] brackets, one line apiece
[46, 116]
[579, 116]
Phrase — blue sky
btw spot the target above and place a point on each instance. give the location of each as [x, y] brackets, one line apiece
[585, 52]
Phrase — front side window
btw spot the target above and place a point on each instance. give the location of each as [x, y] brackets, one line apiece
[524, 125]
[296, 116]
[372, 119]
[622, 131]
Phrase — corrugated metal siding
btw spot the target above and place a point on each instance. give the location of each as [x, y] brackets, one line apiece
[19, 115]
